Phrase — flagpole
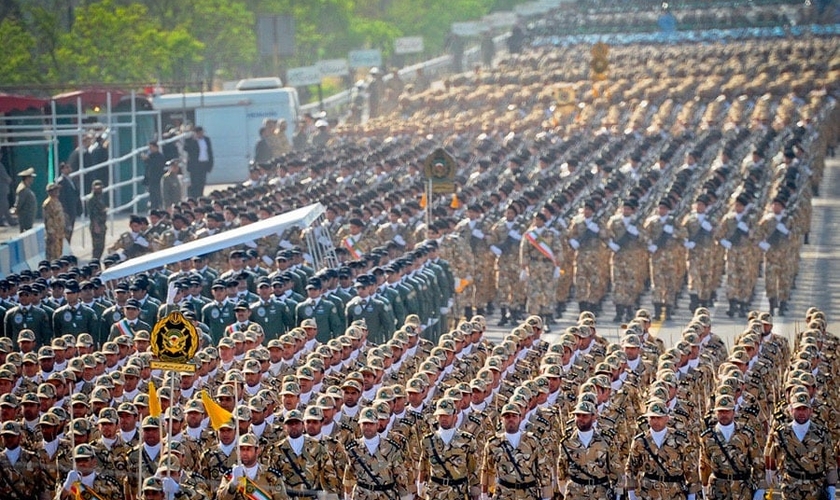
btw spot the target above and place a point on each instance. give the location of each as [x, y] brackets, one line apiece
[236, 423]
[139, 469]
[170, 495]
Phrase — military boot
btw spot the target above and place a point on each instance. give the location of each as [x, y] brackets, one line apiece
[504, 316]
[657, 311]
[619, 313]
[693, 302]
[772, 306]
[783, 308]
[733, 308]
[742, 312]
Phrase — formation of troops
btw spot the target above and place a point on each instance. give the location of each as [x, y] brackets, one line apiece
[372, 377]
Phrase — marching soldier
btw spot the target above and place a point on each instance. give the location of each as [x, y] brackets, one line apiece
[628, 250]
[73, 317]
[448, 459]
[539, 260]
[376, 313]
[505, 237]
[375, 468]
[586, 239]
[589, 466]
[515, 466]
[85, 482]
[776, 237]
[665, 236]
[734, 235]
[661, 465]
[300, 459]
[801, 453]
[731, 459]
[701, 253]
[324, 312]
[251, 479]
[26, 316]
[20, 469]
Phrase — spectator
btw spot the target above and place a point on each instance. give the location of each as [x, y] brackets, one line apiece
[280, 144]
[322, 136]
[69, 197]
[26, 204]
[54, 221]
[199, 151]
[262, 151]
[81, 157]
[155, 163]
[170, 184]
[97, 211]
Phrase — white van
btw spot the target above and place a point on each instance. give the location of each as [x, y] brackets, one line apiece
[232, 119]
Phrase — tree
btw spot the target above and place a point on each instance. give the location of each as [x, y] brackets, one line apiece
[16, 57]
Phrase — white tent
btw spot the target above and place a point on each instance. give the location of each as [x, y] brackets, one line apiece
[302, 217]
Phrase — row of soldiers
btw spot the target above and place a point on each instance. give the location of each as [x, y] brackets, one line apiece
[349, 416]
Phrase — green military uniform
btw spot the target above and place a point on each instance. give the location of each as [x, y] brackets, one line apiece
[325, 315]
[273, 316]
[377, 316]
[73, 320]
[28, 317]
[217, 316]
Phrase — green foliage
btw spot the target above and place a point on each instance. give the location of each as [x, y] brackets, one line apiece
[205, 40]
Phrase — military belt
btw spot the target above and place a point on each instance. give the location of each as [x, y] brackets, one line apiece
[517, 486]
[664, 479]
[805, 476]
[376, 487]
[590, 482]
[300, 494]
[448, 482]
[731, 477]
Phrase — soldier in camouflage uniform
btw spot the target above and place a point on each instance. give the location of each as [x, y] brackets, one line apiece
[514, 466]
[776, 236]
[734, 235]
[375, 468]
[539, 260]
[588, 465]
[472, 232]
[251, 479]
[664, 236]
[448, 467]
[701, 247]
[53, 222]
[661, 465]
[85, 482]
[801, 454]
[731, 458]
[586, 238]
[628, 250]
[505, 237]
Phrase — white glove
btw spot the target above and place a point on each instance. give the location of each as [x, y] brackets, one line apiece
[744, 227]
[770, 477]
[450, 303]
[613, 246]
[764, 246]
[557, 273]
[691, 496]
[631, 495]
[652, 248]
[706, 226]
[782, 229]
[668, 229]
[170, 486]
[689, 244]
[72, 477]
[832, 492]
[523, 275]
[513, 233]
[421, 488]
[592, 227]
[444, 310]
[496, 250]
[726, 244]
[477, 233]
[237, 472]
[574, 243]
[399, 240]
[633, 230]
[758, 495]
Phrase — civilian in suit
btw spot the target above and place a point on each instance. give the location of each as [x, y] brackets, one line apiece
[199, 161]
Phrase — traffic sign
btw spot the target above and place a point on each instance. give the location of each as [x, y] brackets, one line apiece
[365, 58]
[408, 45]
[333, 67]
[304, 75]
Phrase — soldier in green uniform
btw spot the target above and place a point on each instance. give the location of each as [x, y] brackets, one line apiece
[28, 317]
[274, 316]
[448, 459]
[377, 315]
[73, 318]
[131, 323]
[323, 312]
[218, 314]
